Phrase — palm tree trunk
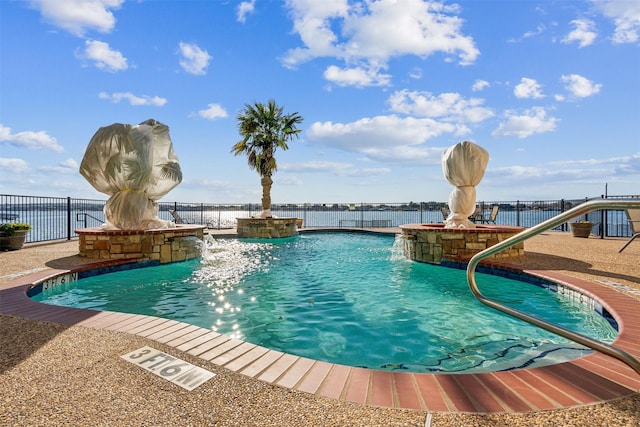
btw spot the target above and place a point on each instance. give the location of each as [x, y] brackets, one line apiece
[266, 182]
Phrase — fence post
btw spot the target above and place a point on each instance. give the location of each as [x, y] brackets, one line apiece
[603, 220]
[601, 225]
[68, 218]
[518, 213]
[304, 215]
[563, 207]
[586, 216]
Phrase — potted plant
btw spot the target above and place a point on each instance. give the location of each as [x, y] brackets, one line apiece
[13, 235]
[581, 228]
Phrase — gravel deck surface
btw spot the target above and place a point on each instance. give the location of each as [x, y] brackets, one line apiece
[54, 375]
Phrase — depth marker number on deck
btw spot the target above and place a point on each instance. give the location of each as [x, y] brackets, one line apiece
[168, 367]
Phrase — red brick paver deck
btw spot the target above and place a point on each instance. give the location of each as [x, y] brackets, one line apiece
[587, 380]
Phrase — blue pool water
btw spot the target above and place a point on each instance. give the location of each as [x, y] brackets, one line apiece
[345, 298]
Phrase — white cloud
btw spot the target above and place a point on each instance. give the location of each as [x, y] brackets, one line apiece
[626, 17]
[312, 22]
[104, 57]
[528, 88]
[409, 27]
[366, 172]
[290, 180]
[213, 111]
[580, 87]
[69, 166]
[517, 171]
[245, 8]
[209, 184]
[632, 161]
[379, 131]
[336, 168]
[531, 122]
[479, 85]
[29, 139]
[14, 166]
[448, 106]
[416, 73]
[134, 100]
[385, 138]
[541, 28]
[568, 171]
[194, 60]
[356, 77]
[78, 16]
[316, 166]
[583, 33]
[374, 32]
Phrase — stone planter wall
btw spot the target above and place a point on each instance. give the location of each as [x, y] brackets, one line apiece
[165, 245]
[267, 228]
[433, 243]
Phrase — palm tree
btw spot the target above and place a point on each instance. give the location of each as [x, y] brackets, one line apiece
[264, 128]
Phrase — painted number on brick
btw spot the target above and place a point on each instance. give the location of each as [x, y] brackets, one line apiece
[168, 367]
[59, 280]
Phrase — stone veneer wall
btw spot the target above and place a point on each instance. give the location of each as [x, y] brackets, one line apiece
[165, 245]
[267, 228]
[432, 242]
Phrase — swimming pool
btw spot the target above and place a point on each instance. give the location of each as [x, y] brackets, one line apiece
[345, 298]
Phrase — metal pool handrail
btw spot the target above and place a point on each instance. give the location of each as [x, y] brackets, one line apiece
[535, 230]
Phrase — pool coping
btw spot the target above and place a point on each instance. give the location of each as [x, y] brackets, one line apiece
[591, 379]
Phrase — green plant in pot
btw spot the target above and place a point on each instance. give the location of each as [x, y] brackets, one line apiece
[12, 235]
[581, 228]
[12, 228]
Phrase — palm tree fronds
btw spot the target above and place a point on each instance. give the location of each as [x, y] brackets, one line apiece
[172, 171]
[116, 134]
[113, 167]
[265, 128]
[137, 171]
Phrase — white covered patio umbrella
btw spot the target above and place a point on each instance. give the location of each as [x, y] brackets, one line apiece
[136, 166]
[463, 165]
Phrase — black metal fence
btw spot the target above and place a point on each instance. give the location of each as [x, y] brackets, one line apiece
[54, 218]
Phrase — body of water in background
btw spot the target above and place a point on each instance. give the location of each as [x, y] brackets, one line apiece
[616, 224]
[52, 224]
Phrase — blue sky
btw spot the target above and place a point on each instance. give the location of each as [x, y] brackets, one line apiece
[551, 89]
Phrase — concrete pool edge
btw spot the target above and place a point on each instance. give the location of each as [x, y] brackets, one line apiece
[591, 379]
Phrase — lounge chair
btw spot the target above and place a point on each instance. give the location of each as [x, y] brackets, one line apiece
[492, 215]
[633, 216]
[478, 216]
[445, 213]
[177, 218]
